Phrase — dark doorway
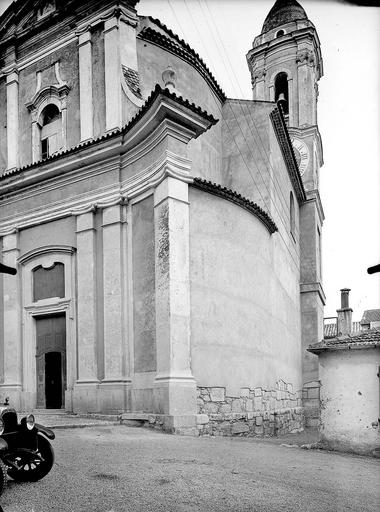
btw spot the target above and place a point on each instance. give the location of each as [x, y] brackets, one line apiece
[51, 361]
[53, 380]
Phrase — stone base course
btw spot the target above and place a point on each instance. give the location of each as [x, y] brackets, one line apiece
[256, 412]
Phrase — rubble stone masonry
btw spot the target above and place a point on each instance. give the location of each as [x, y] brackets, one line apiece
[256, 412]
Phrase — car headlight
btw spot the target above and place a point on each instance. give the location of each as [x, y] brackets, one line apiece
[1, 426]
[30, 421]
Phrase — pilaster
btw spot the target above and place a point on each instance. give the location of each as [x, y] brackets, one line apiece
[175, 388]
[12, 119]
[115, 386]
[312, 295]
[113, 275]
[112, 73]
[306, 91]
[11, 334]
[85, 86]
[87, 349]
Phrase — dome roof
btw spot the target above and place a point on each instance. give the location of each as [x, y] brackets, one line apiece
[283, 11]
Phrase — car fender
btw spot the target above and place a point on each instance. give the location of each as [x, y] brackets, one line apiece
[45, 431]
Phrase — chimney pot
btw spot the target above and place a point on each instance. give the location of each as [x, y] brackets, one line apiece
[344, 313]
[344, 298]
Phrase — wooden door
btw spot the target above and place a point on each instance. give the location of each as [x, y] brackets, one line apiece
[51, 361]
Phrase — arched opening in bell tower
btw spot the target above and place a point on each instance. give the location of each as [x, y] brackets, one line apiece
[281, 91]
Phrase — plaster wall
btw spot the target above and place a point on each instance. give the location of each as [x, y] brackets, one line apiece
[254, 166]
[312, 325]
[3, 125]
[246, 150]
[311, 299]
[350, 399]
[204, 152]
[245, 311]
[59, 232]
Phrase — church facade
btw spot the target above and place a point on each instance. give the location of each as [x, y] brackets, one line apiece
[167, 238]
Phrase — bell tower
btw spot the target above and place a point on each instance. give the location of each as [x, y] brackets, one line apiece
[286, 64]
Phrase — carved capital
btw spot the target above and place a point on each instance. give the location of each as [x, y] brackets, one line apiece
[258, 74]
[305, 57]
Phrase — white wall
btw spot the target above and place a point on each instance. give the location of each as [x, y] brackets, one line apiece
[350, 399]
[245, 316]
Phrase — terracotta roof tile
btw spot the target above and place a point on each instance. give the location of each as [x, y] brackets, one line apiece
[235, 197]
[132, 79]
[362, 339]
[330, 330]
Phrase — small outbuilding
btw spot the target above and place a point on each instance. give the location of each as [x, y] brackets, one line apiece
[349, 367]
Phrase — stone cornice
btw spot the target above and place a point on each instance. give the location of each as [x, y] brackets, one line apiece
[313, 195]
[234, 197]
[183, 50]
[169, 164]
[315, 287]
[283, 138]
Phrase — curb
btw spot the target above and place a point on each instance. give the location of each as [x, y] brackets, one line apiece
[83, 425]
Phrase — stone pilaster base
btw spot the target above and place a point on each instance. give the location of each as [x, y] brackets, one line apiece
[182, 425]
[174, 397]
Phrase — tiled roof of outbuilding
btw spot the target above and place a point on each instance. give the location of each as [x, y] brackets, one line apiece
[157, 90]
[330, 330]
[370, 315]
[360, 340]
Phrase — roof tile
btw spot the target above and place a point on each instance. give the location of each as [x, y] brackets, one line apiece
[363, 339]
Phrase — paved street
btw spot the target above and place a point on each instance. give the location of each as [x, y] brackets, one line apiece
[121, 469]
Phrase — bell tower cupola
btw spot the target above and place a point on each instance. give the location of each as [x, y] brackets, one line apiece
[285, 64]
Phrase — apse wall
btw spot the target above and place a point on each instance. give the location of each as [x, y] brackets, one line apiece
[245, 311]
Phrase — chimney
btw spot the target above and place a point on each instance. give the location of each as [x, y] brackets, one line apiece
[344, 313]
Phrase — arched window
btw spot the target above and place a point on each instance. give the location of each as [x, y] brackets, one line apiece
[280, 33]
[51, 130]
[292, 215]
[281, 88]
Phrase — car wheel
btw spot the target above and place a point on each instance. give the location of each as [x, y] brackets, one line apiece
[33, 468]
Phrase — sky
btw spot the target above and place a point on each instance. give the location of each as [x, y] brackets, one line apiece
[222, 32]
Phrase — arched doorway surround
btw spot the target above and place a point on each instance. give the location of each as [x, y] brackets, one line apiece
[36, 308]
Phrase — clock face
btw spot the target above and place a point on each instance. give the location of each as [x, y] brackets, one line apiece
[302, 155]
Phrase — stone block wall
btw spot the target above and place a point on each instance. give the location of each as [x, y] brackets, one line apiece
[256, 412]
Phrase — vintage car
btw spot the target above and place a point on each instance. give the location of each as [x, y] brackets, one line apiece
[25, 451]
